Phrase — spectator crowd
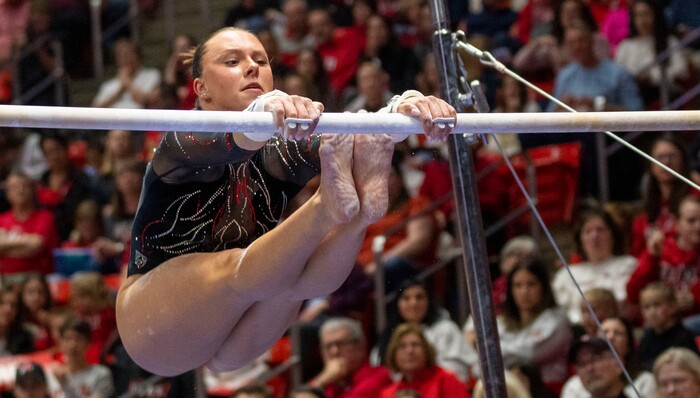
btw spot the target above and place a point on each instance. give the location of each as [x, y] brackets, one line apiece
[68, 198]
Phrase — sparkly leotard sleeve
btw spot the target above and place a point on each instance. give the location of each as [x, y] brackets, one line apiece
[244, 199]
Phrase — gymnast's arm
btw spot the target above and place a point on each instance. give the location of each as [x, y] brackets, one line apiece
[201, 156]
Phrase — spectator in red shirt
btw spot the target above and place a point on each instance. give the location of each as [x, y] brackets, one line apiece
[290, 29]
[27, 234]
[410, 355]
[340, 48]
[673, 260]
[662, 193]
[346, 372]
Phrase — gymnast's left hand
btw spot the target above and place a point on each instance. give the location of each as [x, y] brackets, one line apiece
[297, 107]
[427, 109]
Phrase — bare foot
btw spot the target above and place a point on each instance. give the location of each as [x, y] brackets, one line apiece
[371, 169]
[337, 184]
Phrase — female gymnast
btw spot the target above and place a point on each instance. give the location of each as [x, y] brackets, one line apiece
[214, 277]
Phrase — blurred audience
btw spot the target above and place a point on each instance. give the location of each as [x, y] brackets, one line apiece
[661, 192]
[620, 333]
[411, 232]
[14, 18]
[413, 359]
[63, 186]
[604, 306]
[673, 260]
[515, 388]
[398, 61]
[517, 249]
[542, 57]
[14, 338]
[133, 83]
[365, 50]
[350, 300]
[30, 381]
[415, 306]
[177, 75]
[34, 304]
[77, 377]
[589, 76]
[120, 148]
[677, 373]
[535, 19]
[648, 38]
[532, 329]
[309, 65]
[119, 213]
[663, 326]
[600, 243]
[291, 29]
[372, 88]
[346, 372]
[248, 15]
[42, 62]
[91, 302]
[340, 48]
[27, 233]
[598, 373]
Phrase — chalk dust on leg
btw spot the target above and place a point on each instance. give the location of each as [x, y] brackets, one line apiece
[337, 184]
[371, 170]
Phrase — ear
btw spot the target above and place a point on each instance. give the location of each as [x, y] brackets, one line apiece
[200, 88]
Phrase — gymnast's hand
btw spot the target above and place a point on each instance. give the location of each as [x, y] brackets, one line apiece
[427, 109]
[294, 107]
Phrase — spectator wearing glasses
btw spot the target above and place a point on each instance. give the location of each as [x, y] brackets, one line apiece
[595, 365]
[346, 372]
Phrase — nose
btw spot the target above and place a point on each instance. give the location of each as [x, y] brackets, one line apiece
[253, 68]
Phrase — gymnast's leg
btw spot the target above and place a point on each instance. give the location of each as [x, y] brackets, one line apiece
[177, 316]
[331, 262]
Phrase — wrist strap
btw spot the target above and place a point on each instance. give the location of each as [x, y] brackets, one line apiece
[393, 106]
[258, 105]
[397, 100]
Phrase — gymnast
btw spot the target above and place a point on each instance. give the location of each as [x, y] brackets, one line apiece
[214, 277]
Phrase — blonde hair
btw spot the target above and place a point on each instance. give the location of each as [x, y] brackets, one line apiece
[601, 297]
[661, 289]
[683, 358]
[514, 387]
[92, 285]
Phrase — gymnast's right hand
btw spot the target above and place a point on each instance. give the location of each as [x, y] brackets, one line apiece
[286, 108]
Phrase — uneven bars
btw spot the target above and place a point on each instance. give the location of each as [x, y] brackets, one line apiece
[340, 123]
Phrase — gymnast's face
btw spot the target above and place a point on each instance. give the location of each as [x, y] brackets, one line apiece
[235, 71]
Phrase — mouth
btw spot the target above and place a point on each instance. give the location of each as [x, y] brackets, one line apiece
[253, 86]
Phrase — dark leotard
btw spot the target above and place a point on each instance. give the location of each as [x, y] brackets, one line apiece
[245, 194]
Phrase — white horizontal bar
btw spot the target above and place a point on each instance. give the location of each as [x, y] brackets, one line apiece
[340, 123]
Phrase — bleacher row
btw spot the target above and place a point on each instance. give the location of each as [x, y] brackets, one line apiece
[356, 55]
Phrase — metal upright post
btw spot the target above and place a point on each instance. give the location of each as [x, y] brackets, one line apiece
[471, 230]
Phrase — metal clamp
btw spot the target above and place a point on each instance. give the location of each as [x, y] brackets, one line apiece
[293, 122]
